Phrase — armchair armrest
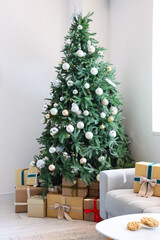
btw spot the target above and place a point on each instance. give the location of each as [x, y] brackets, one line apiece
[114, 179]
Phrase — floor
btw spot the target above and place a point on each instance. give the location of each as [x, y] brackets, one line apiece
[17, 226]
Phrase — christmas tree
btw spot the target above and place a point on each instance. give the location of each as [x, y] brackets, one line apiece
[83, 132]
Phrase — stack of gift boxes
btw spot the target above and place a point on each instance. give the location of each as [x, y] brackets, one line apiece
[73, 201]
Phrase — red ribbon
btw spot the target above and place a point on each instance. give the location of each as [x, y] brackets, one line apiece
[95, 211]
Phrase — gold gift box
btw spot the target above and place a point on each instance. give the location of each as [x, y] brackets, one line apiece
[94, 189]
[150, 171]
[36, 206]
[32, 178]
[21, 177]
[88, 205]
[79, 188]
[75, 204]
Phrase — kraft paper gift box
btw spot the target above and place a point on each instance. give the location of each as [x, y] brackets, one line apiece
[36, 206]
[150, 171]
[21, 177]
[22, 193]
[32, 178]
[91, 209]
[57, 201]
[94, 189]
[79, 188]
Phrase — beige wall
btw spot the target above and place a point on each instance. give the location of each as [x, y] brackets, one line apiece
[32, 34]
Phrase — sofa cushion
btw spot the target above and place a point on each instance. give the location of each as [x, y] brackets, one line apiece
[125, 201]
[152, 210]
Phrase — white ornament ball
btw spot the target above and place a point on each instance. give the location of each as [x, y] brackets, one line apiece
[75, 91]
[70, 83]
[89, 135]
[86, 85]
[55, 104]
[46, 158]
[100, 53]
[98, 178]
[80, 125]
[52, 149]
[61, 99]
[91, 49]
[105, 101]
[45, 107]
[112, 134]
[51, 167]
[53, 131]
[65, 112]
[54, 111]
[109, 68]
[48, 116]
[99, 91]
[83, 160]
[113, 110]
[79, 112]
[79, 27]
[94, 71]
[65, 66]
[70, 128]
[102, 115]
[32, 163]
[68, 41]
[40, 163]
[86, 113]
[75, 108]
[101, 158]
[65, 154]
[43, 120]
[56, 83]
[80, 53]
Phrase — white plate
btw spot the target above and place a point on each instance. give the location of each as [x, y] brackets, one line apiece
[146, 226]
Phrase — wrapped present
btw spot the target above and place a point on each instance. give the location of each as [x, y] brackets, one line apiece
[147, 179]
[55, 189]
[22, 193]
[21, 176]
[94, 189]
[91, 209]
[36, 206]
[79, 188]
[32, 178]
[60, 207]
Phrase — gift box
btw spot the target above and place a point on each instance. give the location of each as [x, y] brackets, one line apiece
[94, 189]
[55, 189]
[32, 178]
[60, 207]
[21, 176]
[91, 209]
[22, 193]
[79, 188]
[36, 206]
[147, 179]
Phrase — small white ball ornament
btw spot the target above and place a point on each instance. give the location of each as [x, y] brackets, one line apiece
[102, 115]
[61, 99]
[45, 107]
[56, 83]
[86, 85]
[94, 71]
[32, 163]
[69, 128]
[80, 53]
[74, 108]
[65, 154]
[112, 134]
[101, 158]
[83, 160]
[109, 68]
[99, 91]
[65, 112]
[51, 167]
[55, 104]
[54, 111]
[91, 49]
[89, 135]
[79, 112]
[100, 53]
[113, 110]
[68, 41]
[52, 149]
[105, 102]
[79, 27]
[75, 91]
[70, 83]
[43, 120]
[86, 113]
[65, 66]
[40, 163]
[110, 119]
[80, 125]
[53, 131]
[48, 116]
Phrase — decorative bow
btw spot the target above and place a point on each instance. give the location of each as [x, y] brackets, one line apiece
[63, 211]
[95, 211]
[146, 188]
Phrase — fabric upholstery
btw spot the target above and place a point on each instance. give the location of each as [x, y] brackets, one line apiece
[152, 209]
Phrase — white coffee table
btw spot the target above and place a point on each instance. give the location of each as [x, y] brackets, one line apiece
[116, 228]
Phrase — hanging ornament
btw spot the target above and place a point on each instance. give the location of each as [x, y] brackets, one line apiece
[109, 68]
[80, 53]
[32, 163]
[79, 112]
[75, 91]
[102, 126]
[110, 82]
[102, 115]
[110, 119]
[83, 160]
[99, 91]
[52, 149]
[112, 134]
[74, 108]
[55, 104]
[56, 83]
[54, 131]
[85, 113]
[40, 163]
[69, 128]
[91, 49]
[86, 85]
[54, 111]
[80, 125]
[65, 112]
[65, 154]
[51, 167]
[65, 66]
[101, 159]
[70, 83]
[45, 107]
[46, 158]
[105, 101]
[113, 110]
[43, 120]
[100, 53]
[94, 71]
[98, 178]
[79, 27]
[89, 135]
[48, 116]
[68, 41]
[61, 99]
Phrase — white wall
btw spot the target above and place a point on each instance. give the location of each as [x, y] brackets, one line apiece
[130, 43]
[32, 34]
